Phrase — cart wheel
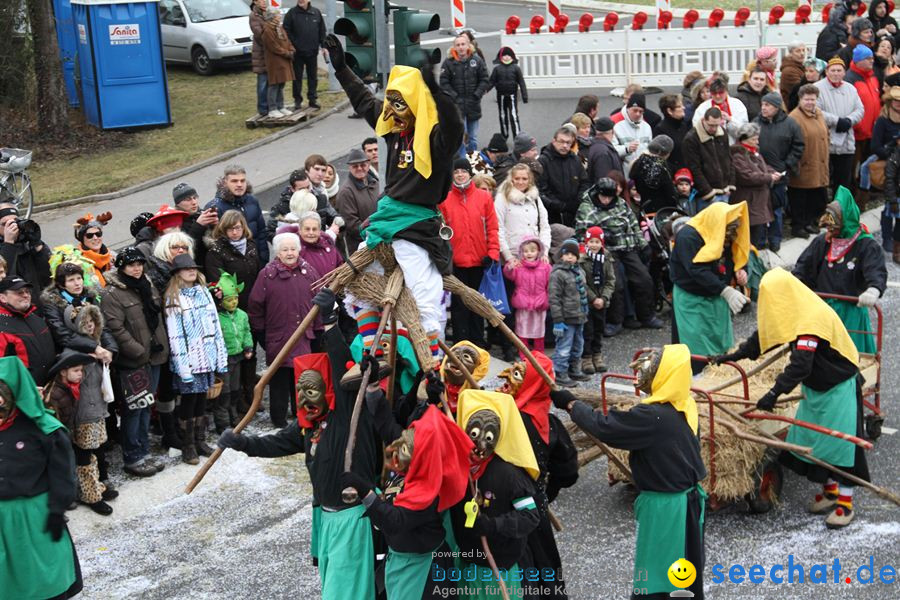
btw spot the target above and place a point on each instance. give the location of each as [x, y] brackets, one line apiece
[769, 480]
[873, 426]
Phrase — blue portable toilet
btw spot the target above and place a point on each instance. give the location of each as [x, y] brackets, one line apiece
[65, 36]
[120, 57]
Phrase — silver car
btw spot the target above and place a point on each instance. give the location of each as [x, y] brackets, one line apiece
[206, 33]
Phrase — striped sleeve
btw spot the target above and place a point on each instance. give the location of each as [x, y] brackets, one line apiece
[526, 503]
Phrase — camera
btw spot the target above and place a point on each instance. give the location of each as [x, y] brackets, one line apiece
[29, 232]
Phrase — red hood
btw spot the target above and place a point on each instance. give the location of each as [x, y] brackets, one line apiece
[533, 398]
[440, 463]
[318, 362]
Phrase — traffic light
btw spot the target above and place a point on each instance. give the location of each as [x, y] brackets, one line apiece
[358, 25]
[409, 24]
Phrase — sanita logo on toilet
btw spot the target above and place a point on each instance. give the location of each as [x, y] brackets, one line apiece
[129, 33]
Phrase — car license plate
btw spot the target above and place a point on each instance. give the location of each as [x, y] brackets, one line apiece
[247, 49]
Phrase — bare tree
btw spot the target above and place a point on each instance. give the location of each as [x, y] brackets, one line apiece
[50, 93]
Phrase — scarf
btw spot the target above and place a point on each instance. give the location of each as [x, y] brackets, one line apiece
[9, 420]
[533, 397]
[751, 149]
[73, 300]
[332, 190]
[239, 245]
[74, 389]
[101, 258]
[145, 291]
[724, 107]
[579, 285]
[597, 261]
[672, 384]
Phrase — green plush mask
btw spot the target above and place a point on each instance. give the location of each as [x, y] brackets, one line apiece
[230, 287]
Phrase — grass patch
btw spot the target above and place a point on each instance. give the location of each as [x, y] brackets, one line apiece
[208, 115]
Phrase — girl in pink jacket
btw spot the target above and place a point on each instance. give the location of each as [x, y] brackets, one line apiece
[530, 272]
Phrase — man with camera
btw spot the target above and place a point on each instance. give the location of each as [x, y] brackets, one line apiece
[26, 255]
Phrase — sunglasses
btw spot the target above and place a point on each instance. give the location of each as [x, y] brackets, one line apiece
[91, 235]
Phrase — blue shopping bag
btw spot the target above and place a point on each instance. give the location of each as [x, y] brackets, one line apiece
[493, 289]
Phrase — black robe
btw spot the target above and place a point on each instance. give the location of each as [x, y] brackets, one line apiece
[861, 268]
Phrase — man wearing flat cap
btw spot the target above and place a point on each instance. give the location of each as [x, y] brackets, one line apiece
[23, 331]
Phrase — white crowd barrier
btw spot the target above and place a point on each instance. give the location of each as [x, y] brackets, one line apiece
[611, 59]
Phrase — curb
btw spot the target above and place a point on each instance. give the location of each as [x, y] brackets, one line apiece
[195, 167]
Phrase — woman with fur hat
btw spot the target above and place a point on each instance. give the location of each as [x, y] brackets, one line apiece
[89, 233]
[652, 177]
[197, 351]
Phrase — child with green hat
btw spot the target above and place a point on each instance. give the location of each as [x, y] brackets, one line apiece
[238, 344]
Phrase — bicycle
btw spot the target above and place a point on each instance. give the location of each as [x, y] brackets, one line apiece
[15, 183]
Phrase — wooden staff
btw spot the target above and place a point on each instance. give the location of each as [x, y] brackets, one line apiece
[392, 360]
[554, 521]
[525, 351]
[394, 287]
[884, 493]
[260, 387]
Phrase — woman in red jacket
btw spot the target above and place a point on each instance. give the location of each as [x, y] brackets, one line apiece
[469, 211]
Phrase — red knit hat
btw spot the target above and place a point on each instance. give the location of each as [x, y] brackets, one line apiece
[166, 218]
[684, 174]
[593, 232]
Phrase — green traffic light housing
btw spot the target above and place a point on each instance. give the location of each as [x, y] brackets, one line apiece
[409, 25]
[358, 26]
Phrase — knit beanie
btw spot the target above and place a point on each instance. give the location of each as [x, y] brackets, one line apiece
[861, 53]
[773, 98]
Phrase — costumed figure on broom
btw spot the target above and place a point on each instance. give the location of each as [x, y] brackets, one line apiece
[824, 362]
[423, 131]
[662, 434]
[710, 253]
[37, 468]
[341, 543]
[846, 260]
[557, 459]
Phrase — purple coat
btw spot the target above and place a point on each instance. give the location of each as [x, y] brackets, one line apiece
[281, 298]
[531, 279]
[323, 255]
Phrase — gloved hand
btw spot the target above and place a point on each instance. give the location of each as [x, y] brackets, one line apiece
[325, 299]
[559, 330]
[734, 298]
[370, 362]
[55, 526]
[349, 479]
[562, 398]
[869, 297]
[486, 262]
[230, 439]
[767, 402]
[434, 387]
[843, 125]
[335, 52]
[720, 358]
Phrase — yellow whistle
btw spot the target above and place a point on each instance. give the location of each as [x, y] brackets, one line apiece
[471, 509]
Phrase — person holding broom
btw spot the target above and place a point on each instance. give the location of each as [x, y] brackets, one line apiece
[846, 260]
[662, 434]
[824, 362]
[710, 252]
[342, 544]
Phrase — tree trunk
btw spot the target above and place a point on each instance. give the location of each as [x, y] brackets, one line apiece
[50, 92]
[15, 61]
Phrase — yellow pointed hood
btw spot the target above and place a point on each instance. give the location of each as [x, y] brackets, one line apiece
[408, 82]
[513, 446]
[710, 224]
[789, 309]
[672, 383]
[484, 362]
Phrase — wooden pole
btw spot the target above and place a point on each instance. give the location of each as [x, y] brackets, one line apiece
[773, 356]
[392, 360]
[546, 377]
[259, 388]
[459, 365]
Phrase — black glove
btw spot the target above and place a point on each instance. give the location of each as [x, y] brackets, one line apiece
[562, 398]
[370, 362]
[486, 262]
[230, 439]
[434, 387]
[325, 301]
[718, 359]
[349, 479]
[335, 52]
[843, 125]
[767, 402]
[483, 525]
[55, 526]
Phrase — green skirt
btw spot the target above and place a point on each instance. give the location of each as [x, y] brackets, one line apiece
[32, 565]
[406, 574]
[856, 318]
[704, 322]
[484, 586]
[346, 555]
[661, 536]
[314, 536]
[391, 217]
[835, 409]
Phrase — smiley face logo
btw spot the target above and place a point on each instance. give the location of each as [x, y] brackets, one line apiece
[682, 573]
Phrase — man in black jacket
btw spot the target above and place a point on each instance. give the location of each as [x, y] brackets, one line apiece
[603, 157]
[306, 30]
[198, 223]
[674, 125]
[26, 255]
[781, 145]
[23, 331]
[563, 180]
[464, 78]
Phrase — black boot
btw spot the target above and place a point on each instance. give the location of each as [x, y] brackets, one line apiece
[200, 437]
[221, 418]
[188, 451]
[170, 437]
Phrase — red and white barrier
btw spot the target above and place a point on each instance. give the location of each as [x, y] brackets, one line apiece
[458, 14]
